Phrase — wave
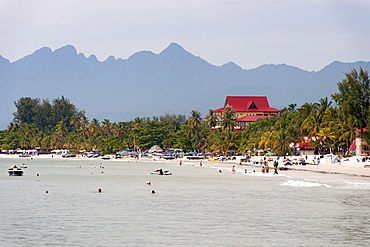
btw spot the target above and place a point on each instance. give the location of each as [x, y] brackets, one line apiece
[357, 185]
[295, 183]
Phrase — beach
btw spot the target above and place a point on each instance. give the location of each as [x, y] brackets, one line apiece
[350, 166]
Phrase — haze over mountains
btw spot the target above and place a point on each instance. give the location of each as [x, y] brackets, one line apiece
[148, 84]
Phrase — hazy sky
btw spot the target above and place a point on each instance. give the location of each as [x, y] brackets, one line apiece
[308, 34]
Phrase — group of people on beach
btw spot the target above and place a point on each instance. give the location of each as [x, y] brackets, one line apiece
[266, 168]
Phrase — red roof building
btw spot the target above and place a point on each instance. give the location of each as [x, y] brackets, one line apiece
[248, 109]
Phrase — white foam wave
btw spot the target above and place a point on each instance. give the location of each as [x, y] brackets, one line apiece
[357, 185]
[295, 183]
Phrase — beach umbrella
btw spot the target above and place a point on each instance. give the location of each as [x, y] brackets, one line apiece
[191, 153]
[269, 153]
[208, 153]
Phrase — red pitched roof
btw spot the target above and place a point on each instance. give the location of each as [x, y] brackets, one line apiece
[250, 118]
[247, 104]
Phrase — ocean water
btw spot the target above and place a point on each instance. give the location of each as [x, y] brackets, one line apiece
[196, 206]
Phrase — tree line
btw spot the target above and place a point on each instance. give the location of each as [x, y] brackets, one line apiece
[59, 124]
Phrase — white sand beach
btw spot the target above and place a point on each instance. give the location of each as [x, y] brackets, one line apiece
[351, 166]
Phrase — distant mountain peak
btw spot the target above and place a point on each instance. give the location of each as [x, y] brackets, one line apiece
[43, 50]
[174, 45]
[92, 58]
[231, 65]
[111, 58]
[68, 49]
[173, 48]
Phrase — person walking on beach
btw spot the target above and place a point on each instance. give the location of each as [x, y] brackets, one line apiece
[264, 167]
[276, 164]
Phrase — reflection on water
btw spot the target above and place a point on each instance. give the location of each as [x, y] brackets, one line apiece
[196, 206]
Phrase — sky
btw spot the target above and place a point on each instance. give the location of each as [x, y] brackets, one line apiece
[307, 34]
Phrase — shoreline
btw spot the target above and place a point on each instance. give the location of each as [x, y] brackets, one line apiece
[350, 166]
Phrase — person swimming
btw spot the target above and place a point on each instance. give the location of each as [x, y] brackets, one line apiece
[153, 191]
[149, 183]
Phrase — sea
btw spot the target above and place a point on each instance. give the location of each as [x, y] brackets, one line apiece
[57, 203]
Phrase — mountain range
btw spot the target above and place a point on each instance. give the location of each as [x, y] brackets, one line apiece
[148, 84]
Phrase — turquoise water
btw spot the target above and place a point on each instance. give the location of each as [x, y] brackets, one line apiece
[196, 206]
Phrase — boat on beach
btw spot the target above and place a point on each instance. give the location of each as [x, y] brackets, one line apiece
[196, 157]
[15, 171]
[161, 172]
[169, 157]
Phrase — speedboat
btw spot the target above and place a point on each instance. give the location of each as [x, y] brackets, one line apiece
[15, 171]
[24, 166]
[161, 172]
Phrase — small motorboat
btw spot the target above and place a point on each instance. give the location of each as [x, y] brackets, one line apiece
[15, 171]
[24, 166]
[168, 157]
[161, 172]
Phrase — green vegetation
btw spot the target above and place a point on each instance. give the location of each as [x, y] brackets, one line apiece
[58, 124]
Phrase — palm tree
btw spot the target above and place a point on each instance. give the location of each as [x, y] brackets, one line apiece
[138, 122]
[282, 143]
[75, 121]
[224, 141]
[314, 120]
[326, 135]
[228, 119]
[94, 126]
[59, 134]
[195, 119]
[27, 131]
[267, 140]
[193, 123]
[106, 126]
[211, 119]
[12, 127]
